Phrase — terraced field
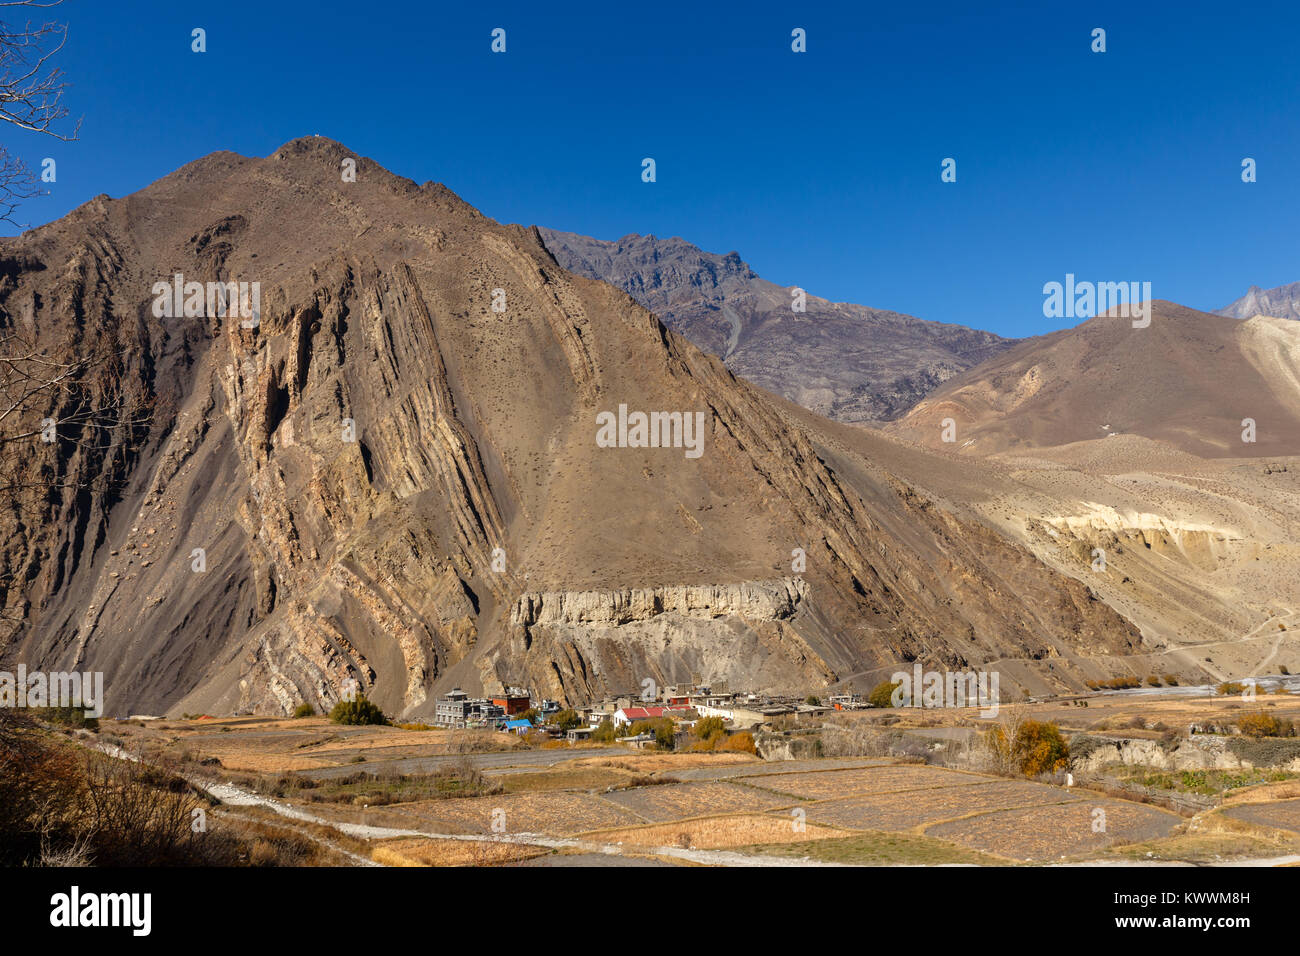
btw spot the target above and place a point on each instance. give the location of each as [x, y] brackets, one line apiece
[821, 785]
[907, 810]
[1059, 831]
[688, 807]
[1281, 815]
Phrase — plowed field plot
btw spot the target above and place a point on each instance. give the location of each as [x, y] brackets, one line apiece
[559, 813]
[676, 801]
[822, 785]
[1284, 814]
[785, 766]
[718, 833]
[1048, 833]
[896, 812]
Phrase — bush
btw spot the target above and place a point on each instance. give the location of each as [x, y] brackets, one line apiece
[1265, 725]
[813, 700]
[72, 716]
[1036, 748]
[883, 693]
[1153, 680]
[742, 741]
[1040, 748]
[1117, 683]
[1171, 680]
[304, 710]
[359, 711]
[1230, 688]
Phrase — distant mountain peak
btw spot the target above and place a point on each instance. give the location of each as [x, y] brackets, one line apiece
[1282, 302]
[849, 362]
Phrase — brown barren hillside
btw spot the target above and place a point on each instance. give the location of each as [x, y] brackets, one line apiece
[392, 473]
[1189, 380]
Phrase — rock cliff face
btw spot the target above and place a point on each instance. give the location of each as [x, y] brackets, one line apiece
[751, 600]
[391, 473]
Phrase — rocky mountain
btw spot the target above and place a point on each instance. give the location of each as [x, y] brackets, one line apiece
[1282, 302]
[848, 362]
[362, 431]
[1190, 380]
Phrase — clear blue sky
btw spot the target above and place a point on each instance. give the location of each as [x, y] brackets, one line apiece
[822, 169]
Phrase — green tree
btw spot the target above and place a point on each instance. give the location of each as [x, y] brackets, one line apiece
[882, 694]
[665, 733]
[706, 727]
[566, 719]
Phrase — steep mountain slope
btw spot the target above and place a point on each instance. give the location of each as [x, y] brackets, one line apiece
[1282, 302]
[847, 362]
[1190, 380]
[396, 470]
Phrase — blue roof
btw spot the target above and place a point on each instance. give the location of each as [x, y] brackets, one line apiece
[515, 724]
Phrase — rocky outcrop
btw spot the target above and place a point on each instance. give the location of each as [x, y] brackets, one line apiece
[749, 600]
[1197, 752]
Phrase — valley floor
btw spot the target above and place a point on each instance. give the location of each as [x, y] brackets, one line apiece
[412, 797]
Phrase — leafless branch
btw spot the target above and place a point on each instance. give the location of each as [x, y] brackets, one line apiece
[31, 95]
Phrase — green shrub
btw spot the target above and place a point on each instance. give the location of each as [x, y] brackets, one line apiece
[359, 711]
[706, 727]
[304, 710]
[73, 716]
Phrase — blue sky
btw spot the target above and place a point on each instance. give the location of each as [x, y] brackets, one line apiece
[822, 169]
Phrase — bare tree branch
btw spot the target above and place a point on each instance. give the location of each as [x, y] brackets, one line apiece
[31, 95]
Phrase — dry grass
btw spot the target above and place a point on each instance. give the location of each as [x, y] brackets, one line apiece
[684, 800]
[824, 784]
[453, 853]
[1264, 793]
[717, 833]
[569, 778]
[1051, 832]
[902, 811]
[651, 762]
[559, 813]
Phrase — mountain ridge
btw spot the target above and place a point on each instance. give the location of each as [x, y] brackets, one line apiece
[848, 362]
[472, 477]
